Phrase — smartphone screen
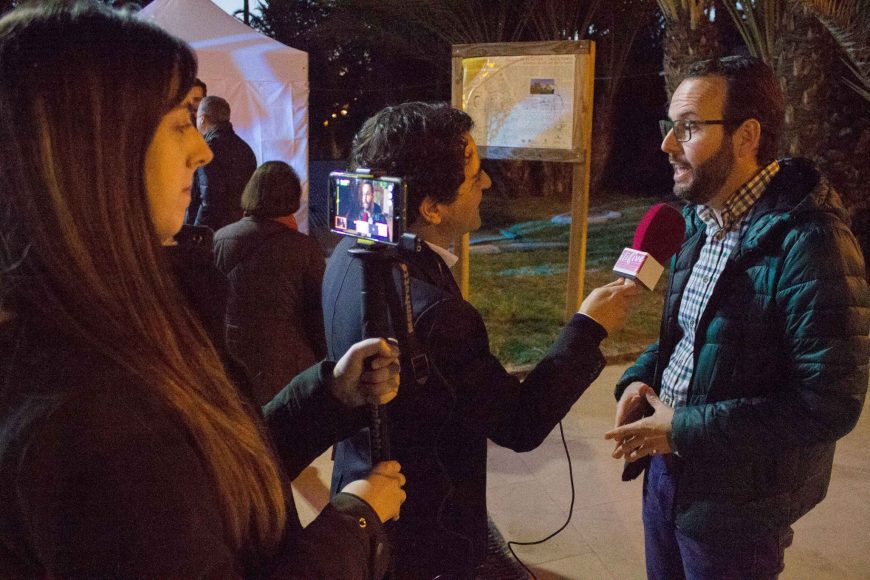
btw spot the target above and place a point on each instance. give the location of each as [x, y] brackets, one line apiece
[366, 207]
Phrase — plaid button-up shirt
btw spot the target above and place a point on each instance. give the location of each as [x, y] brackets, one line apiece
[724, 232]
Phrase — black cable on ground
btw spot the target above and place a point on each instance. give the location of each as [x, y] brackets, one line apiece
[567, 521]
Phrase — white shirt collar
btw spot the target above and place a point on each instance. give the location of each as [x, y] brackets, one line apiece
[449, 258]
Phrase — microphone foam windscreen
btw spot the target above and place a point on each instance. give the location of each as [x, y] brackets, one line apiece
[660, 232]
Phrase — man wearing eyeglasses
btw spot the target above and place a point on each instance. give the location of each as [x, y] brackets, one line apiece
[761, 364]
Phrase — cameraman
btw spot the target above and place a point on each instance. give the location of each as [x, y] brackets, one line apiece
[439, 430]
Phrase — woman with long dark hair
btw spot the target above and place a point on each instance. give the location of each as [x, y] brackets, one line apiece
[125, 450]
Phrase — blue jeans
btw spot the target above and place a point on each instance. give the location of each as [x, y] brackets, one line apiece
[671, 555]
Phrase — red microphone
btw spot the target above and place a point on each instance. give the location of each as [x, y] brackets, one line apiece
[658, 237]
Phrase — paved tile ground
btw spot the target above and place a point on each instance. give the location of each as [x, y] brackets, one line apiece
[529, 495]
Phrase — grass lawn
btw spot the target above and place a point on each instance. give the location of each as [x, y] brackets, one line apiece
[521, 294]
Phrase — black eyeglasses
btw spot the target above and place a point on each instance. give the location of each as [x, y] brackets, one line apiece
[683, 129]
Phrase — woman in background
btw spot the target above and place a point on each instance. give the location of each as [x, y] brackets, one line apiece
[125, 451]
[274, 320]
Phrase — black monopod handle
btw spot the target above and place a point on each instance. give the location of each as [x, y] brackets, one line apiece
[375, 325]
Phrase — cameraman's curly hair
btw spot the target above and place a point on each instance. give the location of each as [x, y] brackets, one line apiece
[424, 143]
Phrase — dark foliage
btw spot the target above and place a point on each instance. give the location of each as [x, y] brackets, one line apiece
[7, 5]
[367, 54]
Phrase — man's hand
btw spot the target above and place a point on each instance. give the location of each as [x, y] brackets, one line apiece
[608, 305]
[648, 436]
[631, 405]
[367, 373]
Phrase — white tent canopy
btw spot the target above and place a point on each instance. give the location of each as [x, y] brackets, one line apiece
[265, 82]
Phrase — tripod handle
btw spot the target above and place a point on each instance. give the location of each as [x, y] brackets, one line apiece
[380, 441]
[375, 325]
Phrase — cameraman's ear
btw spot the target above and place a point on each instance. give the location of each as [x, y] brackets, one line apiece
[430, 211]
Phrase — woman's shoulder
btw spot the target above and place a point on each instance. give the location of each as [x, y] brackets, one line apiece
[54, 386]
[91, 445]
[238, 240]
[290, 246]
[66, 390]
[43, 359]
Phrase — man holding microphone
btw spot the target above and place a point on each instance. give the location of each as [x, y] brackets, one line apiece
[439, 429]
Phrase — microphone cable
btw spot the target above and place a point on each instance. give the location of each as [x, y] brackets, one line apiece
[433, 367]
[512, 543]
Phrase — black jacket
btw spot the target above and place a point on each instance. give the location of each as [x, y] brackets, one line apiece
[216, 200]
[274, 321]
[99, 479]
[439, 431]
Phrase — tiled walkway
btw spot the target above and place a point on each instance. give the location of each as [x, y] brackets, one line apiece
[529, 496]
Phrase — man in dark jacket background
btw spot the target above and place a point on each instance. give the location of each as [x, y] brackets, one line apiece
[761, 363]
[221, 182]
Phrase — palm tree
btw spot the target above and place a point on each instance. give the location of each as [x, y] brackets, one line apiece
[813, 45]
[615, 28]
[423, 30]
[848, 21]
[758, 22]
[798, 48]
[691, 34]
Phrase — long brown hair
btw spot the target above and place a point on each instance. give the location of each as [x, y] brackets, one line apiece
[82, 91]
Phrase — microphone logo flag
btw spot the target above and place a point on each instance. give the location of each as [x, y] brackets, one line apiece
[639, 266]
[658, 237]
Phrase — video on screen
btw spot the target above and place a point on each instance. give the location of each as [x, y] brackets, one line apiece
[364, 207]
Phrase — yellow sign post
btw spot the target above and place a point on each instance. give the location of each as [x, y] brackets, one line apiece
[533, 101]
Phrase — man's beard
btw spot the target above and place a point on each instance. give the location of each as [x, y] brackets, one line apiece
[708, 177]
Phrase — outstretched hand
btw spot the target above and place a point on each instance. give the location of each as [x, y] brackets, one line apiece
[609, 305]
[382, 490]
[647, 436]
[368, 373]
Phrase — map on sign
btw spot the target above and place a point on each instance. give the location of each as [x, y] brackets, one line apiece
[521, 101]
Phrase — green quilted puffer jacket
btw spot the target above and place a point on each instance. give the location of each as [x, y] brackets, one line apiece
[781, 362]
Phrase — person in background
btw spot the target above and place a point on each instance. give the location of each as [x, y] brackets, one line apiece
[761, 364]
[125, 449]
[274, 321]
[439, 429]
[198, 92]
[220, 183]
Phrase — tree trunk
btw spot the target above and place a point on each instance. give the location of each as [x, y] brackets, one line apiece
[685, 44]
[602, 129]
[825, 120]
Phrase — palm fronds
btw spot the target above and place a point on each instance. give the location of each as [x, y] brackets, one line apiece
[694, 12]
[758, 22]
[558, 20]
[848, 21]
